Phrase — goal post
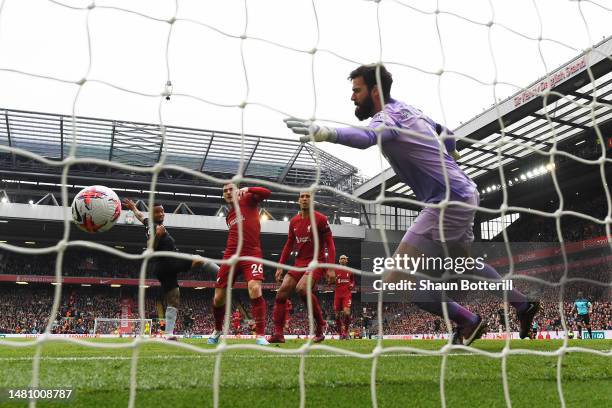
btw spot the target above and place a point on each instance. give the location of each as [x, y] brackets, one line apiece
[122, 327]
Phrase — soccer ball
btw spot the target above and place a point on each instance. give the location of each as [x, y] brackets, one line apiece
[96, 209]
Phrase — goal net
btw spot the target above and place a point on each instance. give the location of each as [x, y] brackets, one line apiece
[242, 67]
[122, 327]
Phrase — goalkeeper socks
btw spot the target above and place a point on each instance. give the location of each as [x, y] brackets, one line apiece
[316, 312]
[258, 310]
[516, 298]
[590, 334]
[279, 315]
[219, 314]
[171, 313]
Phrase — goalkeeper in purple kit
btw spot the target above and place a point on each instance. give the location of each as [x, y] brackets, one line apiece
[410, 142]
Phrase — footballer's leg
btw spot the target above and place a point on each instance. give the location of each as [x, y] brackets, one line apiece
[218, 308]
[347, 316]
[338, 314]
[167, 276]
[253, 274]
[525, 310]
[205, 266]
[471, 324]
[588, 326]
[339, 323]
[302, 290]
[218, 315]
[579, 326]
[173, 300]
[279, 313]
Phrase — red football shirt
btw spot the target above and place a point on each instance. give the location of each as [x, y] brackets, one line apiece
[301, 239]
[345, 280]
[249, 211]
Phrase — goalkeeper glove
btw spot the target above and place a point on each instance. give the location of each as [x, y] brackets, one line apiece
[307, 128]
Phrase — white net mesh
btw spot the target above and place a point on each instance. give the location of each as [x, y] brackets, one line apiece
[174, 20]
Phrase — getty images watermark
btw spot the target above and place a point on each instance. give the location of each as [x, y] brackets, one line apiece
[533, 268]
[427, 265]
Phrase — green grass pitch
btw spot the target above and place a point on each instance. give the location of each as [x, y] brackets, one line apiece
[169, 376]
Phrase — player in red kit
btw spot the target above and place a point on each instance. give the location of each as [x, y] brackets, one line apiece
[288, 313]
[248, 199]
[236, 321]
[301, 239]
[345, 282]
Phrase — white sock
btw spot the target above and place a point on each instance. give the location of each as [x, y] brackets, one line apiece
[171, 313]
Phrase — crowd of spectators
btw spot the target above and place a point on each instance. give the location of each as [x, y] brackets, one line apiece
[83, 262]
[79, 262]
[27, 309]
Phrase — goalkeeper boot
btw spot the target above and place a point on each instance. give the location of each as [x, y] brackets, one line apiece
[214, 338]
[473, 331]
[261, 341]
[276, 338]
[457, 337]
[526, 319]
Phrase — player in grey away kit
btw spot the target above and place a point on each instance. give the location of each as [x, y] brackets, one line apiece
[167, 268]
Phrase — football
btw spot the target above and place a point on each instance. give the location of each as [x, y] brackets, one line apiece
[96, 209]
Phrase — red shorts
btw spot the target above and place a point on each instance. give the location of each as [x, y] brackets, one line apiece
[342, 300]
[317, 274]
[250, 271]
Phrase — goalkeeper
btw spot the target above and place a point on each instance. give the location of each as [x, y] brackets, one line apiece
[418, 163]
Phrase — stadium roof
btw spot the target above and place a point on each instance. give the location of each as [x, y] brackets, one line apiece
[524, 119]
[212, 152]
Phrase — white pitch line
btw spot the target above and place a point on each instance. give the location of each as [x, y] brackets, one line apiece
[182, 357]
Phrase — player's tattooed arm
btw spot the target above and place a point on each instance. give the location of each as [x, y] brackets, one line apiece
[130, 205]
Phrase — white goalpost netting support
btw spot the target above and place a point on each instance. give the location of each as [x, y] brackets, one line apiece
[122, 327]
[174, 20]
